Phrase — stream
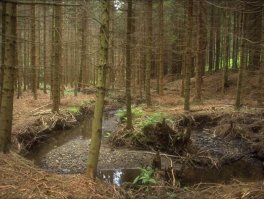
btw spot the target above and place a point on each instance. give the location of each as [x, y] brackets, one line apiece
[67, 153]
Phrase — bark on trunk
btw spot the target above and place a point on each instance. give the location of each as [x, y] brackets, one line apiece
[6, 112]
[101, 89]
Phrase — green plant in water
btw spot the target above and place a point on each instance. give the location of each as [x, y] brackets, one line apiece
[73, 109]
[145, 177]
[136, 112]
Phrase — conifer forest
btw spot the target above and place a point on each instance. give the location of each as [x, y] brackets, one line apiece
[132, 99]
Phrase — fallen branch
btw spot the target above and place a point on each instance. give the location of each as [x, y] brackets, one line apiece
[152, 153]
[42, 113]
[40, 107]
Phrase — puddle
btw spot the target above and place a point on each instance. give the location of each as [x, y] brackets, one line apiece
[118, 176]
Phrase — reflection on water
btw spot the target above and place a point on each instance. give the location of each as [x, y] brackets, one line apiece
[242, 170]
[118, 176]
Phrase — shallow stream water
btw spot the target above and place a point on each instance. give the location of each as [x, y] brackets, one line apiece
[67, 152]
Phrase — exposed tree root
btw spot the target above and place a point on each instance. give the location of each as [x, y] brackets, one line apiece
[45, 125]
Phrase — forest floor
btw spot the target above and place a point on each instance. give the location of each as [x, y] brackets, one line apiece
[225, 144]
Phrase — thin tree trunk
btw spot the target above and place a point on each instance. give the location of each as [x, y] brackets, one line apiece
[6, 112]
[111, 72]
[218, 42]
[128, 66]
[2, 54]
[33, 52]
[45, 52]
[75, 54]
[149, 52]
[188, 56]
[58, 58]
[18, 67]
[261, 73]
[253, 32]
[101, 89]
[241, 69]
[211, 42]
[235, 41]
[25, 62]
[201, 52]
[52, 65]
[161, 49]
[224, 47]
[83, 73]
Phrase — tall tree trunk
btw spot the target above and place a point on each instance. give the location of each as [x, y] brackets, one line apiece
[242, 67]
[235, 40]
[58, 58]
[111, 55]
[201, 52]
[225, 55]
[128, 66]
[33, 52]
[25, 62]
[211, 42]
[149, 51]
[45, 51]
[6, 112]
[75, 54]
[101, 89]
[2, 53]
[39, 50]
[161, 49]
[218, 41]
[261, 73]
[188, 55]
[83, 69]
[18, 66]
[253, 32]
[52, 65]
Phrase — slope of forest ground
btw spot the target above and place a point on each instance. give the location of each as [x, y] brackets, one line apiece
[21, 179]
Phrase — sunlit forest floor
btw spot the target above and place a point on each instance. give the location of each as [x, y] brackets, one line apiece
[237, 135]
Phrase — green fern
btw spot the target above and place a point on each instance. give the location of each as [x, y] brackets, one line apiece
[136, 113]
[145, 177]
[152, 119]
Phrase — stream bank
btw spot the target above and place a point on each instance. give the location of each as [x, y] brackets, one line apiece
[214, 156]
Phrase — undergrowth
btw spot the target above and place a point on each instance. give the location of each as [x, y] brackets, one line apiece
[136, 113]
[141, 118]
[73, 109]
